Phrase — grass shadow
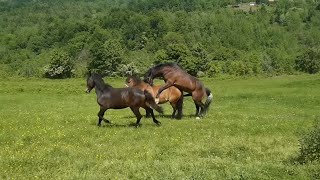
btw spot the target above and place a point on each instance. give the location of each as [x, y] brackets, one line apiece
[162, 116]
[115, 125]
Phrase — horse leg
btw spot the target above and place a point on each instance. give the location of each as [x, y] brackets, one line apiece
[136, 112]
[100, 115]
[200, 108]
[174, 108]
[197, 109]
[148, 114]
[153, 117]
[179, 105]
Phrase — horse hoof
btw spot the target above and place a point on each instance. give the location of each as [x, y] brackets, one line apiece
[197, 118]
[158, 123]
[157, 100]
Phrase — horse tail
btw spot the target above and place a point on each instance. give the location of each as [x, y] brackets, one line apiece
[150, 102]
[208, 101]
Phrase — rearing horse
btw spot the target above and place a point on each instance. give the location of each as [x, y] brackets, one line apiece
[172, 94]
[174, 75]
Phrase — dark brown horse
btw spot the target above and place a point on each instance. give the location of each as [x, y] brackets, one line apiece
[174, 75]
[119, 98]
[172, 94]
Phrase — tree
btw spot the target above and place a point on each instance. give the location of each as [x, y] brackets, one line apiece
[107, 58]
[309, 61]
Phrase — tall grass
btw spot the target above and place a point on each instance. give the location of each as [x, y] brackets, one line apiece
[48, 131]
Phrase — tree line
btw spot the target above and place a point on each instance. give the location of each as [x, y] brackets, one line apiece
[60, 39]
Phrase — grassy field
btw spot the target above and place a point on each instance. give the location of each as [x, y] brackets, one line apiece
[48, 131]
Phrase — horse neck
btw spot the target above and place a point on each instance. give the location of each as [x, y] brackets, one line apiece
[101, 87]
[156, 73]
[139, 84]
[142, 83]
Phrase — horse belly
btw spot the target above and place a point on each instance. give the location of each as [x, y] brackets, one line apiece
[116, 103]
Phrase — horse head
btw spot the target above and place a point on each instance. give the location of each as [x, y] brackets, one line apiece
[148, 77]
[92, 80]
[90, 83]
[131, 81]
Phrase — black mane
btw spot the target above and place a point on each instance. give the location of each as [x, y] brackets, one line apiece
[99, 83]
[162, 65]
[151, 71]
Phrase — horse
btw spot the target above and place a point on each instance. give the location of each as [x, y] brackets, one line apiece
[174, 75]
[172, 94]
[119, 98]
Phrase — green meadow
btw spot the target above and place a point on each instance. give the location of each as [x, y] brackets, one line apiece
[48, 131]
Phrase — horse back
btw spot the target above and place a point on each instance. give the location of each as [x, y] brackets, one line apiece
[145, 86]
[171, 93]
[182, 80]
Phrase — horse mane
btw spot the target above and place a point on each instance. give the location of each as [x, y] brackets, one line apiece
[169, 64]
[160, 66]
[99, 82]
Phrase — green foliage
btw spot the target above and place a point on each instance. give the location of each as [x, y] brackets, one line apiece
[107, 58]
[189, 63]
[4, 71]
[61, 66]
[309, 61]
[192, 61]
[310, 145]
[31, 69]
[237, 68]
[191, 33]
[128, 69]
[215, 68]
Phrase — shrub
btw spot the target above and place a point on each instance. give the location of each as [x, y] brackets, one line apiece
[107, 58]
[61, 66]
[128, 69]
[180, 54]
[30, 68]
[237, 68]
[189, 64]
[5, 71]
[310, 145]
[309, 61]
[215, 68]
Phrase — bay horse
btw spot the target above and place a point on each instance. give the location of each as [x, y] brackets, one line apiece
[119, 98]
[172, 94]
[174, 75]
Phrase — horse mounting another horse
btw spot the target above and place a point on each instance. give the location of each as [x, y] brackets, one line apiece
[172, 94]
[119, 98]
[174, 75]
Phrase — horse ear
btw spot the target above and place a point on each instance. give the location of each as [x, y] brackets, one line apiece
[88, 73]
[127, 74]
[103, 74]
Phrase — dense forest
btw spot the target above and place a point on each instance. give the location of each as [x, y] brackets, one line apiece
[65, 38]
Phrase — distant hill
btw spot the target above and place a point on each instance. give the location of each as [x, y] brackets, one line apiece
[119, 36]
